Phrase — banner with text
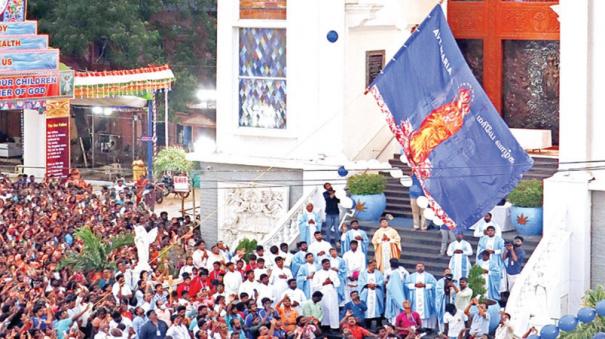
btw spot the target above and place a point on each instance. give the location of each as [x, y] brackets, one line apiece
[38, 60]
[18, 28]
[57, 138]
[12, 42]
[32, 86]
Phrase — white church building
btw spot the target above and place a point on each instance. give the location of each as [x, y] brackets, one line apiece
[291, 109]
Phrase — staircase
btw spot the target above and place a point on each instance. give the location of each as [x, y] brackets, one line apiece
[423, 247]
[398, 198]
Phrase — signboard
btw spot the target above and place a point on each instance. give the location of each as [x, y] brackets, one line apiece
[32, 86]
[181, 183]
[18, 28]
[12, 10]
[12, 42]
[36, 60]
[57, 138]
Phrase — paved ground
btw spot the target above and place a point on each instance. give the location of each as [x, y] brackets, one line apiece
[172, 205]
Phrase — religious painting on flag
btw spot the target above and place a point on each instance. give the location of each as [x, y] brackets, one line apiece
[458, 146]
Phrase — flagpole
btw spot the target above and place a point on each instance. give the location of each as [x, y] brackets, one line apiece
[166, 118]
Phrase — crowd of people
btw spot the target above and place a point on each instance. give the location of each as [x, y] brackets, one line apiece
[322, 288]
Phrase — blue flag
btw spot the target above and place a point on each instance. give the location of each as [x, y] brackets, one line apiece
[462, 152]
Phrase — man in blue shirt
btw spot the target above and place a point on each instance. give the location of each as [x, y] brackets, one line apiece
[63, 322]
[514, 258]
[356, 307]
[154, 328]
[480, 319]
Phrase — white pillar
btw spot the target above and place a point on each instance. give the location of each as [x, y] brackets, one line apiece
[34, 143]
[567, 198]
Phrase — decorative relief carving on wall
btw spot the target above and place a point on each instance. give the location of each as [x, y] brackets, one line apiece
[247, 211]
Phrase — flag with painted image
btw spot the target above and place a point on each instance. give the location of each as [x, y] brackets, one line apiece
[462, 152]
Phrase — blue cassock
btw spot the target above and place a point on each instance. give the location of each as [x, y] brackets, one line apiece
[301, 280]
[297, 260]
[395, 296]
[303, 227]
[494, 277]
[429, 294]
[363, 294]
[350, 236]
[441, 299]
[496, 257]
[339, 263]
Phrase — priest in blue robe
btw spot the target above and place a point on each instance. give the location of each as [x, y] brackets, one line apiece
[420, 287]
[460, 251]
[305, 274]
[371, 287]
[354, 234]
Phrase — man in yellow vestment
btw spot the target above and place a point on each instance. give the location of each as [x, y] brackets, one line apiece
[387, 244]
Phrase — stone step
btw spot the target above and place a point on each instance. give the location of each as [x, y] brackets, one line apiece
[418, 246]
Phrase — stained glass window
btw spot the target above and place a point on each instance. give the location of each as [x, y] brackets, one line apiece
[262, 78]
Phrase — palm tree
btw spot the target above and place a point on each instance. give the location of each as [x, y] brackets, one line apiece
[583, 331]
[95, 254]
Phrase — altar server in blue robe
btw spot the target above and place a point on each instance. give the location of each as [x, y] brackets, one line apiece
[371, 287]
[395, 293]
[299, 257]
[309, 222]
[445, 293]
[305, 274]
[355, 234]
[338, 265]
[492, 273]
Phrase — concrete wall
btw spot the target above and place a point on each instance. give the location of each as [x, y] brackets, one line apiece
[213, 173]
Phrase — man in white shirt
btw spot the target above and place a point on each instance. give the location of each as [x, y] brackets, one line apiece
[177, 330]
[296, 295]
[286, 254]
[320, 248]
[264, 290]
[187, 268]
[249, 285]
[214, 256]
[279, 278]
[482, 225]
[355, 261]
[232, 281]
[200, 255]
[121, 289]
[505, 329]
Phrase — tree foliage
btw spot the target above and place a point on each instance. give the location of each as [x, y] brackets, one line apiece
[171, 159]
[476, 282]
[135, 33]
[96, 252]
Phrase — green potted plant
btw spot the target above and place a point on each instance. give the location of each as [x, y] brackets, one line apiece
[526, 211]
[367, 191]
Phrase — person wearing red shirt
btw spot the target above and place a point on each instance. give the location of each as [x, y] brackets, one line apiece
[251, 263]
[199, 282]
[407, 321]
[185, 286]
